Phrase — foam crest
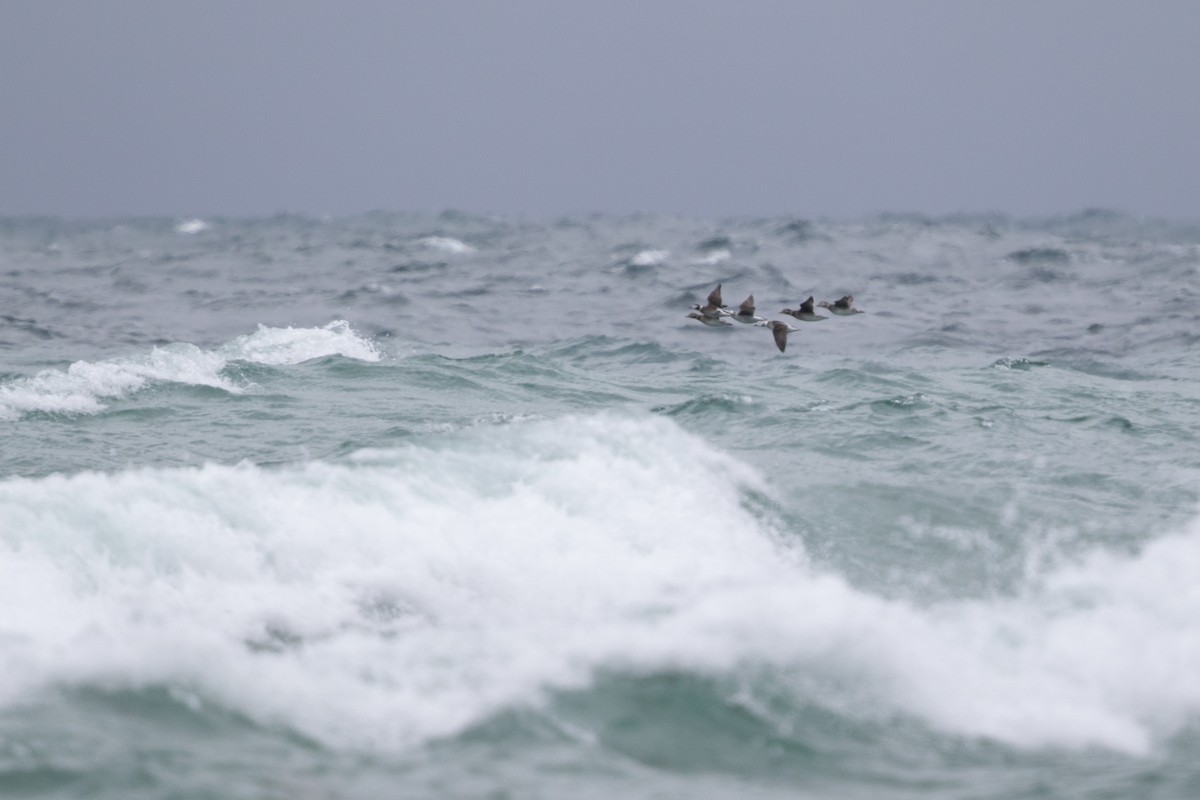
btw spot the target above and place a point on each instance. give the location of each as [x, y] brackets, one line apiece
[286, 346]
[447, 244]
[85, 387]
[1098, 653]
[408, 594]
[402, 596]
[649, 258]
[715, 257]
[192, 226]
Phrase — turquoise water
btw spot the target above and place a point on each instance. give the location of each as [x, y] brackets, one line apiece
[444, 505]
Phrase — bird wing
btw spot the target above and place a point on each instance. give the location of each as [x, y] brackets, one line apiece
[780, 331]
[714, 297]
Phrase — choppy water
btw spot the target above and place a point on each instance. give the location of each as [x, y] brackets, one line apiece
[413, 506]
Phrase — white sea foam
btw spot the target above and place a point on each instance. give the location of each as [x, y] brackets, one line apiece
[282, 346]
[408, 594]
[715, 257]
[649, 258]
[192, 226]
[85, 387]
[447, 244]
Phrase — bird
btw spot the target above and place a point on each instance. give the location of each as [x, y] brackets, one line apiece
[780, 330]
[745, 312]
[713, 321]
[713, 308]
[805, 312]
[844, 307]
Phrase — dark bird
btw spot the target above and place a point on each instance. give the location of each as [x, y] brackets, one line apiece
[805, 312]
[844, 307]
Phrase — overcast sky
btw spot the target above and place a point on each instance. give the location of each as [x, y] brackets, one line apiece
[710, 108]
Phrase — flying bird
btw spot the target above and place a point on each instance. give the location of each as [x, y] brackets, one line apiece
[714, 307]
[844, 307]
[779, 330]
[805, 312]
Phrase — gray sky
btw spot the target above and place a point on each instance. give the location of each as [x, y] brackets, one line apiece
[701, 108]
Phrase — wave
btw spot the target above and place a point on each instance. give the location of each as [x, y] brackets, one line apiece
[285, 346]
[405, 595]
[713, 257]
[649, 258]
[447, 244]
[192, 226]
[719, 405]
[84, 386]
[1040, 255]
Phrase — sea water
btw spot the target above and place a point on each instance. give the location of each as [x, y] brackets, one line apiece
[443, 505]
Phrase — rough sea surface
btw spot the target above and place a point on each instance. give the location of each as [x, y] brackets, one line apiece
[415, 506]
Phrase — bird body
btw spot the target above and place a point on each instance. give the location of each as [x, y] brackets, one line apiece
[711, 311]
[745, 312]
[712, 322]
[805, 312]
[844, 307]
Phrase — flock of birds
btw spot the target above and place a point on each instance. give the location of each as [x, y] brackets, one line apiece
[714, 312]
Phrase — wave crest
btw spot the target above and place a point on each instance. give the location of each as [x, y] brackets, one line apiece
[84, 387]
[409, 594]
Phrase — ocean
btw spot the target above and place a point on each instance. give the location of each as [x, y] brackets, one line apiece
[458, 506]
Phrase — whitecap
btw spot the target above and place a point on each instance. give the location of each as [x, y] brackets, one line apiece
[83, 387]
[86, 387]
[285, 346]
[447, 244]
[192, 226]
[715, 257]
[649, 258]
[365, 605]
